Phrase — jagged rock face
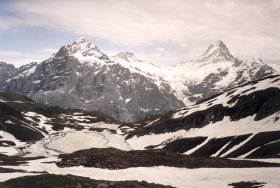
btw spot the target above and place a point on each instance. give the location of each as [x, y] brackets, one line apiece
[80, 76]
[112, 90]
[6, 72]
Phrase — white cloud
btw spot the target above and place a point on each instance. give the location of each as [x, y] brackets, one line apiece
[8, 23]
[248, 27]
[47, 50]
[160, 49]
[21, 58]
[17, 58]
[10, 54]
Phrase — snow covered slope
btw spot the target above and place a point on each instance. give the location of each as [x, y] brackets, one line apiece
[80, 76]
[215, 71]
[23, 122]
[275, 67]
[242, 122]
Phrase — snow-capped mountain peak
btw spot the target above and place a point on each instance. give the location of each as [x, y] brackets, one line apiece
[81, 76]
[221, 44]
[83, 50]
[81, 40]
[127, 56]
[216, 52]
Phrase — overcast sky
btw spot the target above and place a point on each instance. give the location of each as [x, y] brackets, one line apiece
[160, 31]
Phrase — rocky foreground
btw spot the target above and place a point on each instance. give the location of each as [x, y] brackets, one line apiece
[60, 181]
[112, 158]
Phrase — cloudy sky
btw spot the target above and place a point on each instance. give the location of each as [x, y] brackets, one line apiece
[160, 31]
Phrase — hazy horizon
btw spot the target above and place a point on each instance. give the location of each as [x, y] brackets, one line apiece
[160, 32]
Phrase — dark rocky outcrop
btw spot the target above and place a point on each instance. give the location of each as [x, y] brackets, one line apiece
[182, 145]
[264, 144]
[270, 150]
[9, 170]
[6, 160]
[67, 181]
[261, 140]
[234, 142]
[247, 184]
[112, 158]
[212, 146]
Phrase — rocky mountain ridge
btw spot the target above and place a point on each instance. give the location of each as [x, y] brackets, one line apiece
[80, 76]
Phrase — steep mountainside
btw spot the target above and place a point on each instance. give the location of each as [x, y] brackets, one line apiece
[217, 70]
[128, 89]
[6, 71]
[213, 72]
[80, 76]
[242, 122]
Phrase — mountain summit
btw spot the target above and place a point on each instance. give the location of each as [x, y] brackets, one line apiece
[216, 52]
[82, 48]
[127, 56]
[81, 76]
[213, 72]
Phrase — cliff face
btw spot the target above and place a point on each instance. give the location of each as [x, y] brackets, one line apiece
[81, 76]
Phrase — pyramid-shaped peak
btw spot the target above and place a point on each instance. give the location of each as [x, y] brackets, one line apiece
[221, 44]
[217, 45]
[82, 49]
[216, 51]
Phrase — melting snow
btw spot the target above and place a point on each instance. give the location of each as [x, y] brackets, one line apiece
[177, 177]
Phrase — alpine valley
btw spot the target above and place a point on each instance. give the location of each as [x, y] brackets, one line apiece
[84, 119]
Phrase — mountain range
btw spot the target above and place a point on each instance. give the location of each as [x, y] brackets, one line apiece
[244, 116]
[81, 76]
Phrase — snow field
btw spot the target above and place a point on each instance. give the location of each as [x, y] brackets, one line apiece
[177, 177]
